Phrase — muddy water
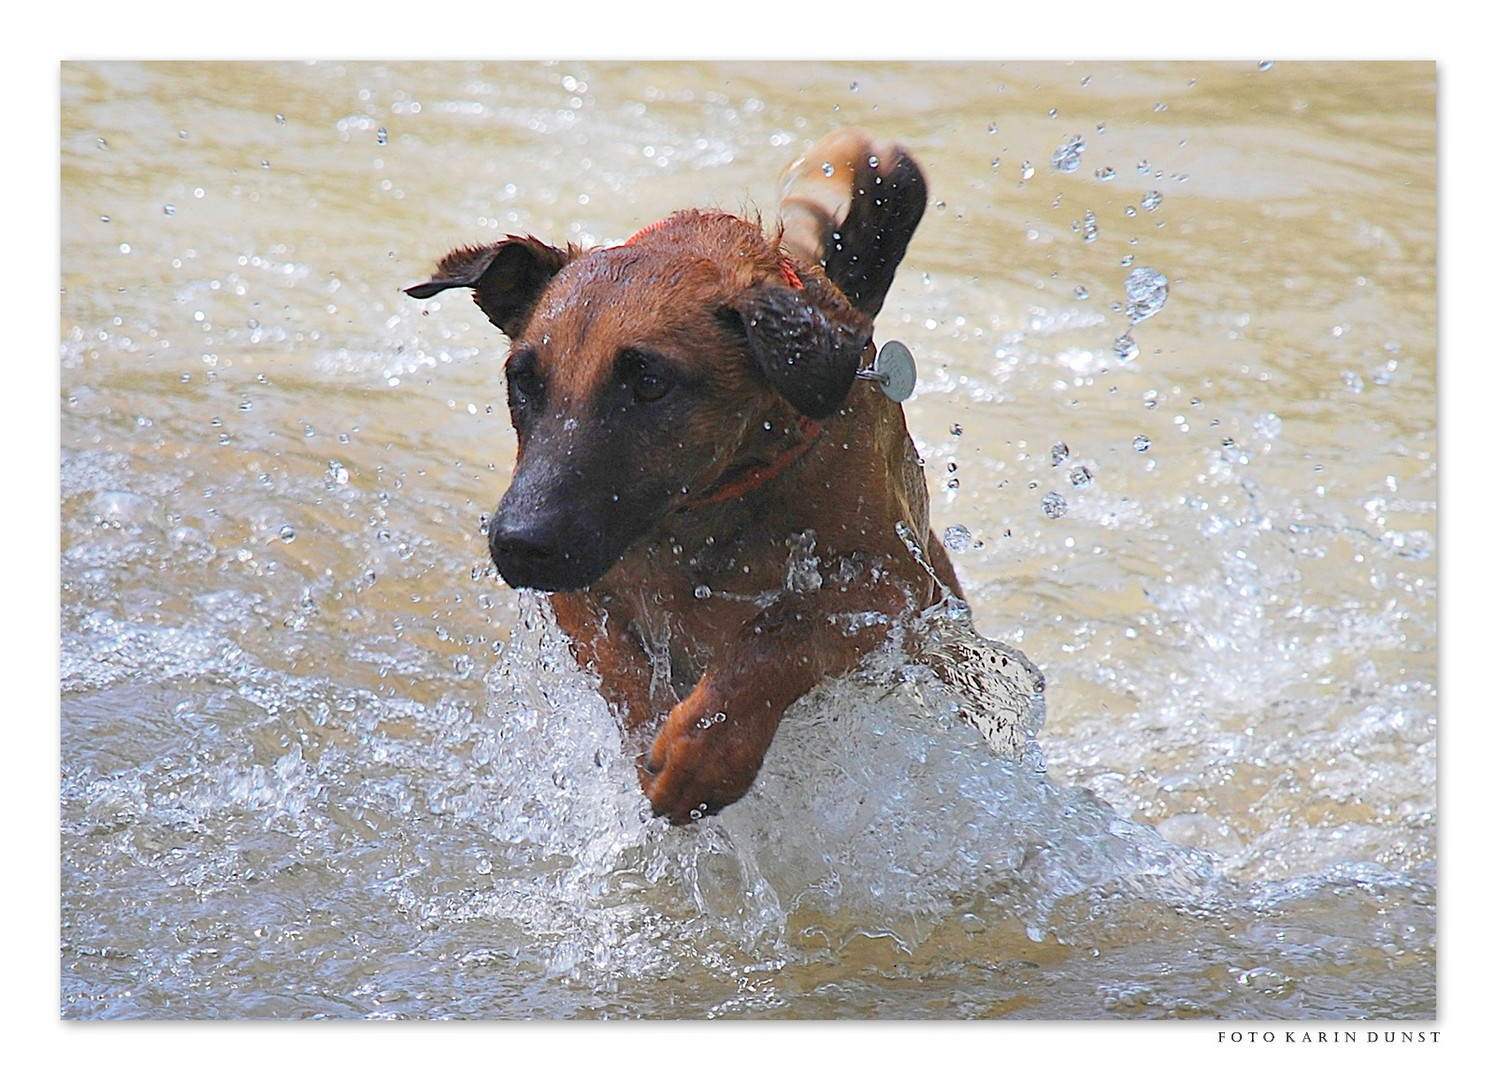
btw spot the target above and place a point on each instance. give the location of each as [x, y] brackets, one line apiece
[318, 761]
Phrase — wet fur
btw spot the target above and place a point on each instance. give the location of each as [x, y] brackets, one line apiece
[715, 551]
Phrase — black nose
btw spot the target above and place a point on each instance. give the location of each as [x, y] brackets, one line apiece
[525, 555]
[537, 553]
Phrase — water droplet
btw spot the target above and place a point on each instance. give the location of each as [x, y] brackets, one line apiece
[1053, 505]
[1106, 173]
[1125, 348]
[872, 161]
[997, 161]
[1026, 171]
[287, 534]
[337, 473]
[958, 538]
[828, 168]
[1058, 453]
[1151, 201]
[702, 592]
[956, 429]
[1147, 290]
[280, 118]
[1268, 425]
[168, 209]
[1066, 157]
[382, 136]
[1144, 167]
[953, 483]
[1080, 477]
[1088, 227]
[1081, 292]
[1141, 444]
[1263, 65]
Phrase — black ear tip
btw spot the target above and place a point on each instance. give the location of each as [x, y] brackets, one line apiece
[427, 289]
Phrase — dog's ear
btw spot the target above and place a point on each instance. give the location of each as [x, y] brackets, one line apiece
[506, 278]
[807, 342]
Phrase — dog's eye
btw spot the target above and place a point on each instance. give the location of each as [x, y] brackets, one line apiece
[645, 376]
[650, 387]
[525, 383]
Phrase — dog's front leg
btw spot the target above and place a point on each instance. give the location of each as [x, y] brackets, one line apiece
[710, 747]
[626, 678]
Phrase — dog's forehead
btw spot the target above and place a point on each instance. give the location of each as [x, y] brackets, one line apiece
[629, 296]
[623, 283]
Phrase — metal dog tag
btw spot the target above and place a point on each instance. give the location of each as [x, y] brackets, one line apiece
[893, 370]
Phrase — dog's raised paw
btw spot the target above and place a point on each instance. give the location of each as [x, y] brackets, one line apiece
[698, 764]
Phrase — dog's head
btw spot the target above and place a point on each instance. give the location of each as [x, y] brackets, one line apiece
[641, 374]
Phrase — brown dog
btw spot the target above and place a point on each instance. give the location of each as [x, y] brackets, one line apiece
[725, 514]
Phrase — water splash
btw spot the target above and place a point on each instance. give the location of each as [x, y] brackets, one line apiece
[1146, 290]
[882, 802]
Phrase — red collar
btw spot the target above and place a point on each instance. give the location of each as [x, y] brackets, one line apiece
[754, 479]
